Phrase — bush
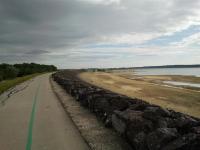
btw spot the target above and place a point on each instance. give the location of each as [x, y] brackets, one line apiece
[1, 78]
[11, 71]
[25, 68]
[8, 71]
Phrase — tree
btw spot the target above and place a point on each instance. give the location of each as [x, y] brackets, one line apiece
[11, 71]
[8, 71]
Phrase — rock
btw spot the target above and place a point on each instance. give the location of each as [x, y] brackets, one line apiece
[138, 141]
[118, 124]
[130, 115]
[139, 106]
[132, 124]
[155, 113]
[187, 142]
[196, 129]
[108, 122]
[157, 139]
[102, 106]
[184, 124]
[118, 104]
[136, 122]
[162, 123]
[91, 99]
[81, 93]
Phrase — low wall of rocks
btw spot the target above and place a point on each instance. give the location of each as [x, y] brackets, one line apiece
[143, 125]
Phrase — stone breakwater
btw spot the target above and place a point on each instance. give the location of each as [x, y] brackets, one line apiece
[143, 125]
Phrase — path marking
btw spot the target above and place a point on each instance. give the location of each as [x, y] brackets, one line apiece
[31, 122]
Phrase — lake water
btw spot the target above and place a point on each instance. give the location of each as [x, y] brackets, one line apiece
[182, 84]
[172, 71]
[169, 71]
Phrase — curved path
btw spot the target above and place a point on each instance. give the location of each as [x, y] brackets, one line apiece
[33, 119]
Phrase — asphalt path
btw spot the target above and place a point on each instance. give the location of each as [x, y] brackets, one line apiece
[33, 119]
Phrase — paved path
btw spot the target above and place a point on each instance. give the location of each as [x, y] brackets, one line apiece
[33, 119]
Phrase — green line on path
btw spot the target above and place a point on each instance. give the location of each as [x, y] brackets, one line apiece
[31, 122]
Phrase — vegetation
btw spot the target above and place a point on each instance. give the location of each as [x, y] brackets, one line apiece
[11, 75]
[5, 85]
[7, 72]
[18, 70]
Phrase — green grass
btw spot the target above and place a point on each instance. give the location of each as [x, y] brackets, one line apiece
[6, 84]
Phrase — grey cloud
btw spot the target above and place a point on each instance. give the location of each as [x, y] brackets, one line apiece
[40, 27]
[37, 52]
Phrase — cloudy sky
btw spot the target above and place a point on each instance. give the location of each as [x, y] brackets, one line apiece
[100, 33]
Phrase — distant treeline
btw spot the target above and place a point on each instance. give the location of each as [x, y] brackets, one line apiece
[145, 67]
[8, 71]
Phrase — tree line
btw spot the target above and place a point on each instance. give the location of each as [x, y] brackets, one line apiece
[8, 71]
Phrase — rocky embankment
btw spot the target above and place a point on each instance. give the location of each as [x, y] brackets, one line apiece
[143, 125]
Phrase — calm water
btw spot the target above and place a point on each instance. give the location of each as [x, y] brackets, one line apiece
[169, 71]
[182, 84]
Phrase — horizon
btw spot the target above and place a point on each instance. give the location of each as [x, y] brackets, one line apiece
[100, 33]
[122, 67]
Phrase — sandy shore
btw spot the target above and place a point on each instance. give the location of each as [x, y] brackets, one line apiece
[149, 89]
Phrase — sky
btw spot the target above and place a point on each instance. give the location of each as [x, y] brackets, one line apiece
[100, 33]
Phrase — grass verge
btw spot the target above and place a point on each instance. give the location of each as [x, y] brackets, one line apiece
[6, 84]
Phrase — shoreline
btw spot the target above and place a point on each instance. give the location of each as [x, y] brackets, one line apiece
[180, 99]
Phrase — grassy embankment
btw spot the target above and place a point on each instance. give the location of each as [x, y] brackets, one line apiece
[6, 84]
[182, 100]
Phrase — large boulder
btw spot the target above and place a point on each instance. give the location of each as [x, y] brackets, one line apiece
[184, 123]
[186, 142]
[118, 124]
[133, 126]
[141, 106]
[139, 141]
[154, 113]
[132, 121]
[101, 106]
[159, 110]
[118, 104]
[196, 130]
[160, 137]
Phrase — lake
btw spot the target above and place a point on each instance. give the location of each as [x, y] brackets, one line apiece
[182, 84]
[168, 71]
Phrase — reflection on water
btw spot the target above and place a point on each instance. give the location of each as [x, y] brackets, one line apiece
[182, 84]
[169, 71]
